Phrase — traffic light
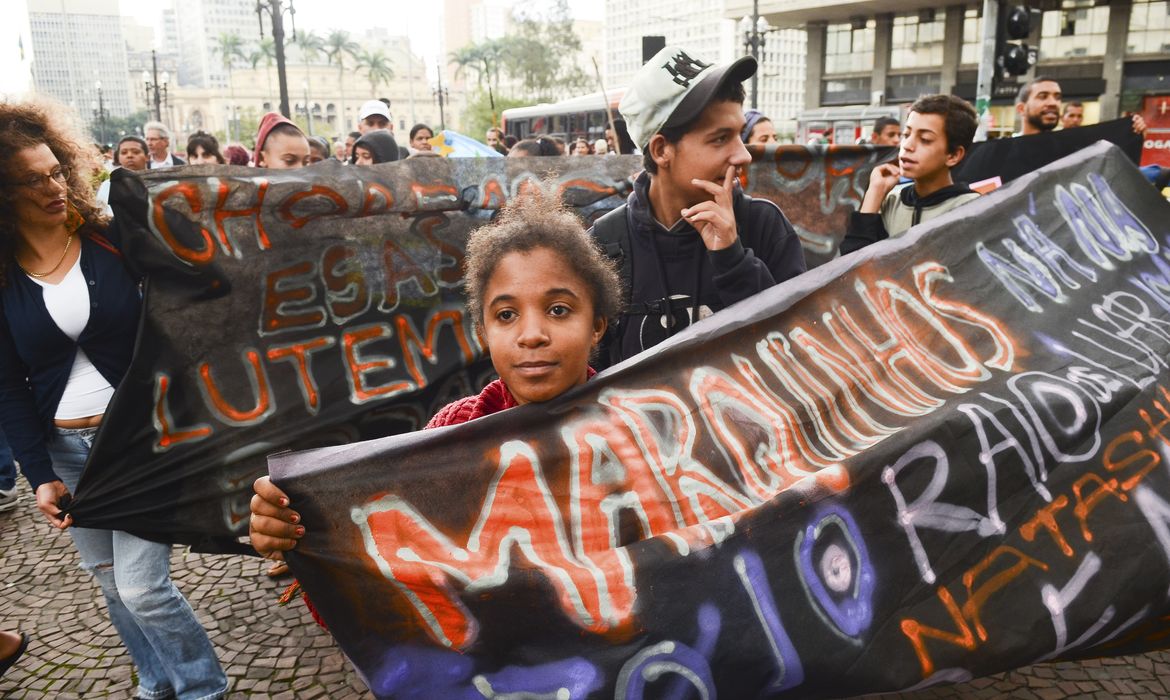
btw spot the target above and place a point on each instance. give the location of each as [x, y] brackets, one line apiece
[1015, 24]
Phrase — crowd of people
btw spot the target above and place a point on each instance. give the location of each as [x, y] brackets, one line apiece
[546, 294]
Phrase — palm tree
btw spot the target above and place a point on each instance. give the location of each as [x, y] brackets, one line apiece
[377, 67]
[491, 57]
[311, 47]
[468, 58]
[337, 46]
[267, 53]
[230, 48]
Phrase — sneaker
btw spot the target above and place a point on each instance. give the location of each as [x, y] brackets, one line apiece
[7, 499]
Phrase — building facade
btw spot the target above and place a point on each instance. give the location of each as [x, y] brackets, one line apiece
[78, 51]
[1111, 56]
[710, 28]
[333, 97]
[203, 22]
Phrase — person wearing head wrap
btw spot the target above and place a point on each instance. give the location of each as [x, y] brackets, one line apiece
[377, 146]
[280, 144]
[757, 128]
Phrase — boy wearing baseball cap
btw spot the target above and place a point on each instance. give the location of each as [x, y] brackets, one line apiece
[688, 241]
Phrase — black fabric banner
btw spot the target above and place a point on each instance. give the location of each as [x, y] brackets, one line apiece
[940, 457]
[295, 309]
[1010, 158]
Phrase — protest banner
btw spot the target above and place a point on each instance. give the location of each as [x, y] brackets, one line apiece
[1010, 158]
[293, 309]
[937, 458]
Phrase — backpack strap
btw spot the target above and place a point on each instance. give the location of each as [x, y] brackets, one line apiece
[612, 234]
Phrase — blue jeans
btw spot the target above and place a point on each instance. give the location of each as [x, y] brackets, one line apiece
[7, 465]
[166, 641]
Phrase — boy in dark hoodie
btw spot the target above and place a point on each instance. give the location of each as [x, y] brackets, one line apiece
[937, 135]
[688, 241]
[377, 146]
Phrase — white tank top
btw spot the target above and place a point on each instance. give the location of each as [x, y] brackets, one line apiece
[87, 393]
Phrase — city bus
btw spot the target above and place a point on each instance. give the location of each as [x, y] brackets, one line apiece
[843, 126]
[577, 117]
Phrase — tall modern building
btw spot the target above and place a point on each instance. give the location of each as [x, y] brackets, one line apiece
[77, 45]
[203, 22]
[704, 26]
[167, 38]
[1113, 56]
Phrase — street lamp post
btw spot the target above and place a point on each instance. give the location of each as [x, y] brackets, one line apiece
[99, 111]
[276, 10]
[150, 80]
[441, 95]
[753, 29]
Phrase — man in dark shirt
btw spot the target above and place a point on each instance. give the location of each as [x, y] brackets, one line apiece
[690, 243]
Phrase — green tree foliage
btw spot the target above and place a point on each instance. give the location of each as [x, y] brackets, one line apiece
[310, 46]
[378, 69]
[338, 46]
[230, 48]
[478, 118]
[117, 127]
[539, 56]
[542, 54]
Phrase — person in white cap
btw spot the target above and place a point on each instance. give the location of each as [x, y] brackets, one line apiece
[374, 114]
[688, 241]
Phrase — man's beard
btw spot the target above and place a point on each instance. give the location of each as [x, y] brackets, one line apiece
[1037, 122]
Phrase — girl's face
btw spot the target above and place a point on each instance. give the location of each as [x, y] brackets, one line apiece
[284, 152]
[201, 157]
[422, 140]
[363, 156]
[132, 156]
[539, 324]
[763, 133]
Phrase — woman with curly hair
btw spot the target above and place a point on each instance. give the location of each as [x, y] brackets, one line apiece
[69, 311]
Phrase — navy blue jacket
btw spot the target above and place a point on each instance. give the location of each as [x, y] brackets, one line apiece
[36, 357]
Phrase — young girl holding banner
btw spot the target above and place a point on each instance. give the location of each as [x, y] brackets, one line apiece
[542, 295]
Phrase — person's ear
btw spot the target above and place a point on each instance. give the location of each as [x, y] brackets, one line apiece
[1020, 106]
[954, 158]
[661, 151]
[600, 324]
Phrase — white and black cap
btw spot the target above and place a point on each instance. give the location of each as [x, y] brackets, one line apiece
[673, 88]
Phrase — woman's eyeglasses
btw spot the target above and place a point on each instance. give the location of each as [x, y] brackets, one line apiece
[60, 175]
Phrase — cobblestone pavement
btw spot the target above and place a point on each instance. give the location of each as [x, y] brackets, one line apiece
[274, 652]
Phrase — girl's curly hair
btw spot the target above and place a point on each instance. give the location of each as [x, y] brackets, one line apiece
[538, 219]
[28, 124]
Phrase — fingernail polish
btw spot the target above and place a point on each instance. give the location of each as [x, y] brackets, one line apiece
[295, 518]
[300, 531]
